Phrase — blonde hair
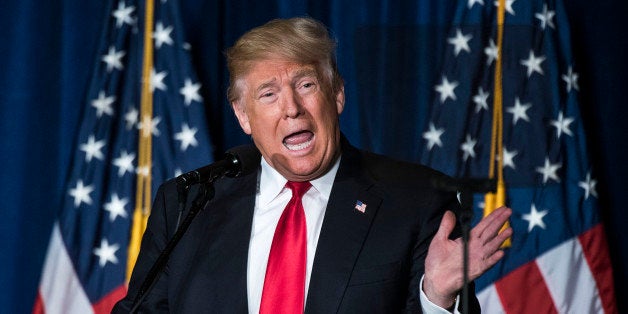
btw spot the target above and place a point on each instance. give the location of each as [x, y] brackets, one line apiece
[301, 39]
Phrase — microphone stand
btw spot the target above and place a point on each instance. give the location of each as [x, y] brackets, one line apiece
[206, 193]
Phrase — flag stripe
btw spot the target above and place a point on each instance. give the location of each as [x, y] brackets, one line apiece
[523, 285]
[59, 281]
[490, 301]
[596, 253]
[105, 304]
[569, 279]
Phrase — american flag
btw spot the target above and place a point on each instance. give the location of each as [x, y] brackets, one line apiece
[558, 261]
[85, 266]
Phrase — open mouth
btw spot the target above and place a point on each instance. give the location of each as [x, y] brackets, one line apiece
[298, 140]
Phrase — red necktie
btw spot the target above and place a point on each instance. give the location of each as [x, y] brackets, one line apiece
[284, 285]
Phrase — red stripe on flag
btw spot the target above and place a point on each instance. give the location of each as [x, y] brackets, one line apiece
[595, 250]
[524, 291]
[38, 307]
[104, 305]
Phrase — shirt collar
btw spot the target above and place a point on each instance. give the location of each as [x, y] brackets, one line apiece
[272, 183]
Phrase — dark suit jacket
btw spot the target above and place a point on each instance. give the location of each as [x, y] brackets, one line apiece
[367, 262]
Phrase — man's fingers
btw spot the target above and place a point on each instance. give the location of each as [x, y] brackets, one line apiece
[491, 224]
[446, 226]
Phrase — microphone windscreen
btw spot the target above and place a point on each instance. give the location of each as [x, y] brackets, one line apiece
[248, 157]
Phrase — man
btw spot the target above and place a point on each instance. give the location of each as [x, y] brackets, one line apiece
[369, 237]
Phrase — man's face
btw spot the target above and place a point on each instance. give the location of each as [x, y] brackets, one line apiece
[283, 106]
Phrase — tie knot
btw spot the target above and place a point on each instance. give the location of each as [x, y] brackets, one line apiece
[298, 188]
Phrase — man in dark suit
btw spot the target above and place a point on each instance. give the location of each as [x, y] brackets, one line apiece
[373, 234]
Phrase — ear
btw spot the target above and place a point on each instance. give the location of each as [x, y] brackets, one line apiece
[340, 100]
[243, 118]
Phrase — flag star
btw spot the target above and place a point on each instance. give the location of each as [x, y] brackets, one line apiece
[509, 158]
[162, 35]
[562, 125]
[480, 100]
[131, 118]
[468, 148]
[103, 104]
[470, 3]
[116, 207]
[433, 136]
[178, 172]
[589, 186]
[149, 126]
[106, 253]
[546, 17]
[460, 42]
[123, 14]
[93, 148]
[491, 52]
[124, 163]
[549, 170]
[571, 78]
[533, 63]
[446, 90]
[157, 80]
[519, 111]
[113, 59]
[143, 171]
[535, 218]
[81, 193]
[509, 4]
[190, 92]
[186, 136]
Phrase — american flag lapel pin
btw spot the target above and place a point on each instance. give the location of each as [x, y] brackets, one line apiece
[361, 207]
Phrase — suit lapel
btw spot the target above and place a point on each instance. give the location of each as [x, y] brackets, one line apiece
[220, 262]
[342, 235]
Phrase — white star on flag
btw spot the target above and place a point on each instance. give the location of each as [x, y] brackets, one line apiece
[491, 52]
[157, 80]
[113, 59]
[446, 89]
[124, 163]
[186, 136]
[103, 104]
[533, 63]
[562, 125]
[162, 35]
[81, 194]
[131, 118]
[93, 148]
[468, 148]
[460, 42]
[470, 3]
[480, 100]
[509, 158]
[549, 170]
[571, 78]
[535, 218]
[509, 4]
[433, 136]
[115, 207]
[106, 253]
[589, 186]
[546, 17]
[190, 92]
[149, 126]
[123, 14]
[519, 111]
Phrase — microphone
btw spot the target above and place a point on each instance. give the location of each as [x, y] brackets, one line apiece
[238, 161]
[475, 185]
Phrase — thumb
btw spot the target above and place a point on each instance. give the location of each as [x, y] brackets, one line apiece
[447, 225]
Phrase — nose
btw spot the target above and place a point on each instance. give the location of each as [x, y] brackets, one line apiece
[292, 104]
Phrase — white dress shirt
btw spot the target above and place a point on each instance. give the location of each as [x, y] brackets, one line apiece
[270, 200]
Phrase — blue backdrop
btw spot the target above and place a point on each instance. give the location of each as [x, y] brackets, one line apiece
[47, 52]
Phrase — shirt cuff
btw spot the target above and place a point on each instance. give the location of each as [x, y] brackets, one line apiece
[430, 308]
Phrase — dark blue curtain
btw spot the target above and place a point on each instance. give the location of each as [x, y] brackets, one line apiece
[48, 50]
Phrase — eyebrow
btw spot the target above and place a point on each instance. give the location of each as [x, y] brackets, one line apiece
[300, 73]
